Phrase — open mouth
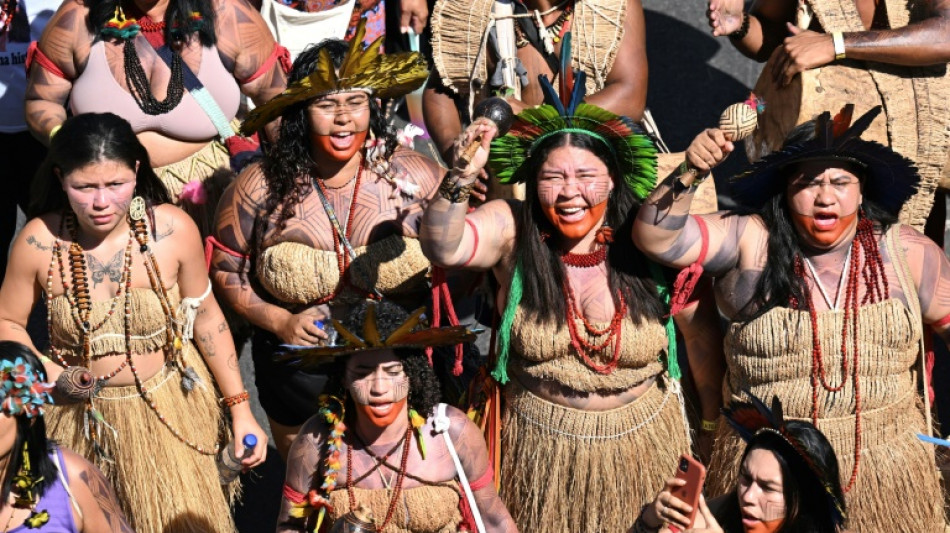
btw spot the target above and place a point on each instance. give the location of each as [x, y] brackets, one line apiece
[825, 221]
[342, 140]
[571, 214]
[381, 409]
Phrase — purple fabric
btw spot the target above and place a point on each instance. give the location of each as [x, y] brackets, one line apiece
[55, 501]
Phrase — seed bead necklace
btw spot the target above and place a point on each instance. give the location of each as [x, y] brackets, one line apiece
[613, 331]
[871, 270]
[399, 478]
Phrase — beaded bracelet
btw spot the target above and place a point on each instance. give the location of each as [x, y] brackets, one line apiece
[231, 401]
[453, 192]
[743, 30]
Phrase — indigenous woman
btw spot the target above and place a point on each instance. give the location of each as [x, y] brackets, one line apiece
[384, 443]
[827, 298]
[594, 423]
[788, 481]
[44, 487]
[129, 307]
[175, 69]
[324, 220]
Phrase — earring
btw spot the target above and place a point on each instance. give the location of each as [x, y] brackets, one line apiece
[417, 422]
[137, 208]
[24, 498]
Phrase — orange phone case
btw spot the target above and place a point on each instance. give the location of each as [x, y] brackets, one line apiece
[695, 475]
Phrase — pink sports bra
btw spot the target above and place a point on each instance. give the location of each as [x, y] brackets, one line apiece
[97, 91]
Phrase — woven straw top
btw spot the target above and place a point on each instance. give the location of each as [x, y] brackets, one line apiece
[424, 508]
[545, 352]
[148, 324]
[295, 273]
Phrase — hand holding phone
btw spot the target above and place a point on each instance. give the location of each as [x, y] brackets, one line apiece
[694, 474]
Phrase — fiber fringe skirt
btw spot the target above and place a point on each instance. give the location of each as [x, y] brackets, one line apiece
[163, 485]
[898, 487]
[566, 469]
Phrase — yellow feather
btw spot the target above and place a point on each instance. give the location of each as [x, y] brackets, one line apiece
[406, 326]
[370, 329]
[350, 338]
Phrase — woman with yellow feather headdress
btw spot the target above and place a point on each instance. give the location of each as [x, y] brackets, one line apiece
[383, 454]
[330, 215]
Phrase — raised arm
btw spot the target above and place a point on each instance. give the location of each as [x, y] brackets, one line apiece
[473, 454]
[441, 116]
[452, 238]
[50, 83]
[767, 21]
[101, 512]
[212, 335]
[666, 232]
[625, 92]
[922, 43]
[303, 461]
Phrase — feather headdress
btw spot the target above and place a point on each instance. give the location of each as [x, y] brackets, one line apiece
[889, 179]
[394, 330]
[384, 75]
[753, 419]
[633, 151]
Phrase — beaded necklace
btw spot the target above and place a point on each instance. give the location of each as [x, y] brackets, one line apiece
[341, 234]
[126, 29]
[78, 298]
[613, 330]
[399, 478]
[555, 32]
[871, 269]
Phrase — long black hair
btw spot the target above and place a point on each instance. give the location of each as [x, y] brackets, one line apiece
[178, 19]
[86, 139]
[809, 501]
[287, 163]
[628, 270]
[778, 284]
[29, 431]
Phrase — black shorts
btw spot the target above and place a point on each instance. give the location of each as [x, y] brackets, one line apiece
[288, 394]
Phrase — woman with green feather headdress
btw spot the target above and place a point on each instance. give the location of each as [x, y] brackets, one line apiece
[594, 421]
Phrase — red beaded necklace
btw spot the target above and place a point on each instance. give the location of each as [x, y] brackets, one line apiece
[871, 269]
[342, 257]
[590, 260]
[399, 478]
[613, 330]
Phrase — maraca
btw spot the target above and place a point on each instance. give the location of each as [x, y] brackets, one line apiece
[737, 122]
[496, 110]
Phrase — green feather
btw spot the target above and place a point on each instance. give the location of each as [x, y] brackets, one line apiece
[507, 319]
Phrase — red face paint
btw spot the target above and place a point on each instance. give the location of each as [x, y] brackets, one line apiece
[382, 416]
[823, 231]
[575, 226]
[770, 526]
[340, 148]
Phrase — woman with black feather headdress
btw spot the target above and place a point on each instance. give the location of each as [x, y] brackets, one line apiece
[828, 297]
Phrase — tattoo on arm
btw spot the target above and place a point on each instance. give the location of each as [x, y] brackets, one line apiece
[166, 230]
[32, 241]
[102, 494]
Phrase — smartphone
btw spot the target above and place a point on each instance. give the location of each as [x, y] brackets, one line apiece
[695, 475]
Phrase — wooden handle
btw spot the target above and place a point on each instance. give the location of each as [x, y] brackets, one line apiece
[466, 156]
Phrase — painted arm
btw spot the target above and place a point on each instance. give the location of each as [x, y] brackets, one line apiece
[931, 272]
[625, 92]
[303, 460]
[452, 238]
[212, 335]
[101, 512]
[664, 229]
[473, 454]
[241, 204]
[246, 43]
[46, 93]
[699, 324]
